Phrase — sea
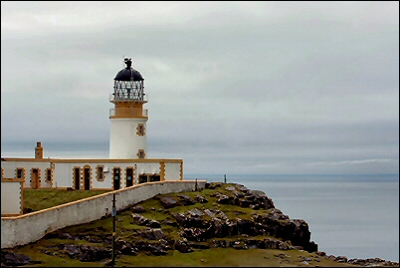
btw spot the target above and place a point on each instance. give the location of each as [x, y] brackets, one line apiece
[356, 216]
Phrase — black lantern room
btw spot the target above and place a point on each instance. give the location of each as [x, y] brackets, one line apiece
[128, 84]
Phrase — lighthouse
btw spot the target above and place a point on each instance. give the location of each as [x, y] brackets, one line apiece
[128, 139]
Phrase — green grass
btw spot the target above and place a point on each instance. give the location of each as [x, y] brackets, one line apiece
[38, 199]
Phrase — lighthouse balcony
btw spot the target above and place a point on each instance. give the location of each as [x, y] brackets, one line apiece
[128, 97]
[128, 112]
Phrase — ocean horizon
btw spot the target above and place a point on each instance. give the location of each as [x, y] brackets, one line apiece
[352, 215]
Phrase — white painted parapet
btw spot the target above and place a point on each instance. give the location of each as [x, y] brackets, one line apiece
[31, 227]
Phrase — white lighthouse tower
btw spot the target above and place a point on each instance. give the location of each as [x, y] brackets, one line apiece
[128, 138]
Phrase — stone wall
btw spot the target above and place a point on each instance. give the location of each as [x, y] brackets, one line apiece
[21, 230]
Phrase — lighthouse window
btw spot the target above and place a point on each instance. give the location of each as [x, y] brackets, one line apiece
[141, 153]
[140, 130]
[100, 173]
[20, 173]
[49, 174]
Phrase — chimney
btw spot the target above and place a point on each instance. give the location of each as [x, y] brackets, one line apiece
[39, 151]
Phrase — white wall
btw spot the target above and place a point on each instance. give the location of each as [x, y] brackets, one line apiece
[172, 171]
[31, 227]
[10, 168]
[63, 172]
[148, 168]
[11, 197]
[124, 142]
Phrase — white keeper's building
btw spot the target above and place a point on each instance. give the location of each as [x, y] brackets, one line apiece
[127, 164]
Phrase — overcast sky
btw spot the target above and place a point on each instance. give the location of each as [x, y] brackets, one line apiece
[233, 87]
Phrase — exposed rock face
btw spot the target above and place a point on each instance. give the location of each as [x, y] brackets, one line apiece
[202, 227]
[140, 220]
[138, 209]
[14, 259]
[186, 200]
[183, 246]
[86, 253]
[168, 202]
[152, 234]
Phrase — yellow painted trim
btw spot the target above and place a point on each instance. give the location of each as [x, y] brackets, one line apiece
[11, 215]
[181, 173]
[162, 171]
[12, 180]
[128, 110]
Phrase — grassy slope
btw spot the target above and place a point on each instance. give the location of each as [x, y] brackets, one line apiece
[38, 199]
[125, 230]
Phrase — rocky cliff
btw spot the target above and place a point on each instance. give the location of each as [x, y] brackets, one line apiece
[221, 216]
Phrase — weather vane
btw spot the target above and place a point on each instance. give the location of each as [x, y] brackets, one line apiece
[128, 62]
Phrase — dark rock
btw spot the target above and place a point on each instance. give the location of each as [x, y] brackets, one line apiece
[224, 199]
[199, 246]
[91, 239]
[183, 246]
[195, 212]
[244, 203]
[168, 202]
[69, 189]
[143, 221]
[156, 250]
[186, 200]
[237, 194]
[201, 199]
[71, 250]
[242, 188]
[152, 234]
[138, 209]
[171, 223]
[27, 210]
[14, 259]
[93, 254]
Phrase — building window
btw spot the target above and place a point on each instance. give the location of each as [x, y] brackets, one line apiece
[100, 173]
[140, 130]
[20, 173]
[49, 174]
[129, 176]
[141, 153]
[154, 177]
[142, 178]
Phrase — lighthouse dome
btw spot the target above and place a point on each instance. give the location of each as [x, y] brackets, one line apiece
[128, 73]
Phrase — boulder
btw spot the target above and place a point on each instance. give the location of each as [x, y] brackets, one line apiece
[183, 246]
[168, 202]
[201, 199]
[186, 200]
[9, 258]
[138, 209]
